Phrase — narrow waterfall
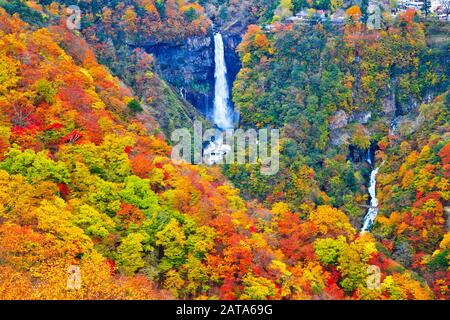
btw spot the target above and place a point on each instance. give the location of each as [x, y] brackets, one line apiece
[373, 210]
[223, 115]
[393, 126]
[368, 157]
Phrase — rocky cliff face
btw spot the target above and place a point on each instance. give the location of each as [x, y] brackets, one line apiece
[231, 41]
[189, 67]
[232, 33]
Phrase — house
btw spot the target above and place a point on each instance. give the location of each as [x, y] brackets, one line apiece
[268, 28]
[295, 19]
[215, 152]
[338, 17]
[303, 15]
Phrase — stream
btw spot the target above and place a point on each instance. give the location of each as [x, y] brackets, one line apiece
[223, 115]
[372, 212]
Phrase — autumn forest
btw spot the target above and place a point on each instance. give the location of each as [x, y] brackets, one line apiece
[92, 205]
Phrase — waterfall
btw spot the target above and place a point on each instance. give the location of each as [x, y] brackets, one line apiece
[223, 115]
[393, 126]
[368, 157]
[373, 210]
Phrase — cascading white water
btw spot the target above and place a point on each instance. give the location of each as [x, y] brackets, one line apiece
[368, 158]
[393, 126]
[373, 210]
[223, 115]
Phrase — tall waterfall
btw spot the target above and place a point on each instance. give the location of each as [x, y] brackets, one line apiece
[223, 115]
[373, 210]
[368, 157]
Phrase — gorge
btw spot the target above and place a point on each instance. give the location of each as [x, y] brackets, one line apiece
[372, 212]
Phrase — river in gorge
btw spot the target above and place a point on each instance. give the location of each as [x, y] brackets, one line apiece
[223, 117]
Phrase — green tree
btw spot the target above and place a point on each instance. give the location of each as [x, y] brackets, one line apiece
[328, 250]
[129, 256]
[46, 90]
[134, 105]
[258, 288]
[138, 193]
[352, 263]
[93, 223]
[191, 14]
[173, 240]
[34, 166]
[104, 195]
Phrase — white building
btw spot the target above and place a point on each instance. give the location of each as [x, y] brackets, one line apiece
[414, 4]
[215, 152]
